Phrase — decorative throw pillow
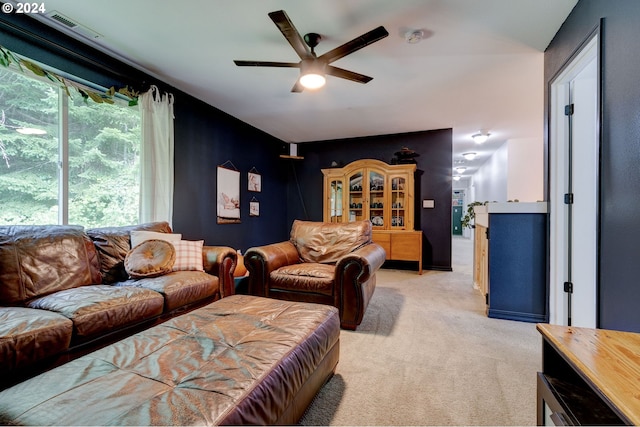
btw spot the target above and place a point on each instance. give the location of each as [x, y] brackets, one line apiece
[150, 258]
[188, 255]
[139, 236]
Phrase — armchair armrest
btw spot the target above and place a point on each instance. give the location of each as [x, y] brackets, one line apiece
[355, 282]
[262, 260]
[221, 261]
[368, 258]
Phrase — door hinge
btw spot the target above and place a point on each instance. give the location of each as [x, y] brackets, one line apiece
[568, 110]
[486, 299]
[568, 287]
[487, 233]
[568, 198]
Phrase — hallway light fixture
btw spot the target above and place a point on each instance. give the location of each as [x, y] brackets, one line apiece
[460, 169]
[480, 137]
[456, 178]
[469, 156]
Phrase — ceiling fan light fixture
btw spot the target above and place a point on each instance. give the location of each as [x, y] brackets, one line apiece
[312, 74]
[312, 81]
[480, 137]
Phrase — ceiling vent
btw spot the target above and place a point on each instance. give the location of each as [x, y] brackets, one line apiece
[68, 23]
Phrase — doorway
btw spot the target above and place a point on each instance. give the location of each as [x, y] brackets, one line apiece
[456, 220]
[574, 151]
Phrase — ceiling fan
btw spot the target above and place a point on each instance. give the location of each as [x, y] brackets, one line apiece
[313, 67]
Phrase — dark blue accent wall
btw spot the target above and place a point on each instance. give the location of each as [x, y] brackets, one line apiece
[619, 232]
[206, 138]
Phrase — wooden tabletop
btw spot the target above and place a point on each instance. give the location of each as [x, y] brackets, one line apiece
[608, 360]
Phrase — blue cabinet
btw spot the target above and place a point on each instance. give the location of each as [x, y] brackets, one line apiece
[517, 261]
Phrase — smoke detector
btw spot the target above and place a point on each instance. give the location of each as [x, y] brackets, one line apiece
[413, 37]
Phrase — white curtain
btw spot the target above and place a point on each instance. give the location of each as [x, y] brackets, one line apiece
[156, 156]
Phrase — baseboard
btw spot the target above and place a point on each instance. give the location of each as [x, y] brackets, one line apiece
[515, 315]
[437, 268]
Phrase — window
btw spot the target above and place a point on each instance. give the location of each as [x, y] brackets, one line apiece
[66, 160]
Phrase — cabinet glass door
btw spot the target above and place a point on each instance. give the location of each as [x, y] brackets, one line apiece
[356, 197]
[376, 198]
[335, 200]
[398, 202]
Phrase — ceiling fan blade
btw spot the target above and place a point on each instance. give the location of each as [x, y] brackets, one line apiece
[346, 74]
[240, 63]
[289, 31]
[297, 88]
[355, 44]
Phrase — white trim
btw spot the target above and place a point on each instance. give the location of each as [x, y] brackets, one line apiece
[559, 97]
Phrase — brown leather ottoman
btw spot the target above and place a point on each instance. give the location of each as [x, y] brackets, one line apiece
[239, 360]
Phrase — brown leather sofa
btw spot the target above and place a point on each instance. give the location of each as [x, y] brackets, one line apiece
[326, 263]
[64, 291]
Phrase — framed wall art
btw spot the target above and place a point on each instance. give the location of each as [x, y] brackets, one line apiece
[228, 194]
[254, 180]
[254, 207]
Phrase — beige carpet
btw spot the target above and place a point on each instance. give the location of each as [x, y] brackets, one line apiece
[426, 354]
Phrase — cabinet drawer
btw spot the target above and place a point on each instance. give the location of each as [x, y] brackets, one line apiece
[406, 246]
[400, 245]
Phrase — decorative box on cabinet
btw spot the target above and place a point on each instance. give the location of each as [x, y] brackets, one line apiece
[515, 259]
[384, 194]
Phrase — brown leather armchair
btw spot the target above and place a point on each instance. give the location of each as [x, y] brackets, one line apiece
[326, 263]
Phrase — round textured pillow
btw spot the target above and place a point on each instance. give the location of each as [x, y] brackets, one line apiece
[150, 258]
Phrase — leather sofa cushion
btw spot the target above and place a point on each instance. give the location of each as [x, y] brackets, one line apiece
[113, 244]
[304, 277]
[179, 288]
[325, 242]
[102, 308]
[40, 260]
[150, 258]
[28, 336]
[238, 361]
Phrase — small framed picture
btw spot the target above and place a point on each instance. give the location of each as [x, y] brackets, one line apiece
[255, 182]
[254, 208]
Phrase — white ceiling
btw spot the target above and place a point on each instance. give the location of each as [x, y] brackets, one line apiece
[479, 67]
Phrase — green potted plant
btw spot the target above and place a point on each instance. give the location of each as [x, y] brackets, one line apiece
[470, 215]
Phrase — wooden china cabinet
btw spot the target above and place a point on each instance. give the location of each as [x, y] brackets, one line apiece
[382, 193]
